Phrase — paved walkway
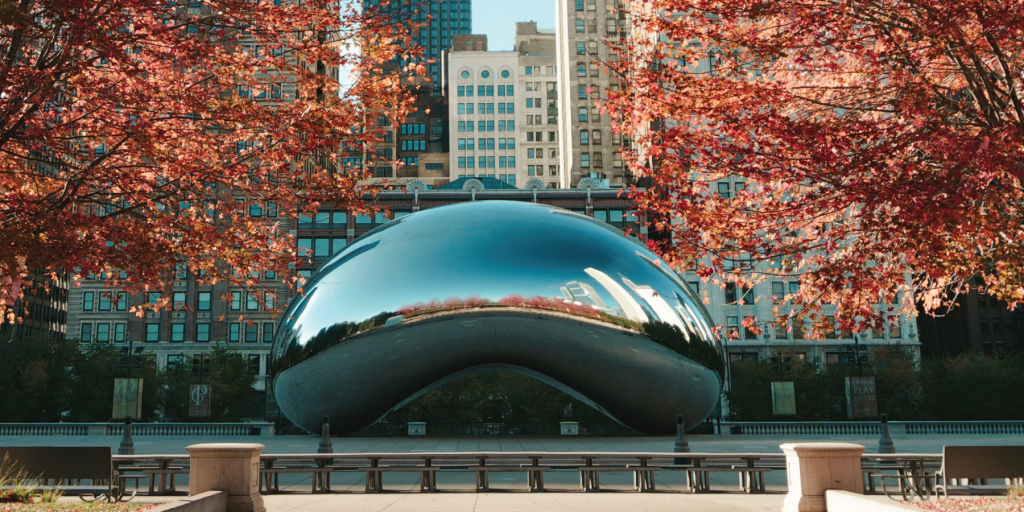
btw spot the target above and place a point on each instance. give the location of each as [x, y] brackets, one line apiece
[524, 501]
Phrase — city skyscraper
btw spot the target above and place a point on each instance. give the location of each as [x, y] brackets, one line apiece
[447, 19]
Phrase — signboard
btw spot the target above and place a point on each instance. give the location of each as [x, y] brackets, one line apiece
[783, 399]
[199, 401]
[861, 401]
[127, 398]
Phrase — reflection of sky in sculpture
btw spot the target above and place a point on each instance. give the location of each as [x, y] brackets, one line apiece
[492, 250]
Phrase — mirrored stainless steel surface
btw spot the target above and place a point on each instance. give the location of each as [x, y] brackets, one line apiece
[492, 284]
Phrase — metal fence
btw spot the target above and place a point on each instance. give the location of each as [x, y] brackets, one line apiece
[497, 429]
[138, 429]
[865, 428]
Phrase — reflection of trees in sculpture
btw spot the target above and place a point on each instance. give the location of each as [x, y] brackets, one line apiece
[325, 339]
[556, 304]
[697, 349]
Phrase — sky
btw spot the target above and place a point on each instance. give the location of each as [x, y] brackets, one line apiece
[497, 19]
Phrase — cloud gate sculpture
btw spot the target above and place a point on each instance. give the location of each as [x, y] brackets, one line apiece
[536, 289]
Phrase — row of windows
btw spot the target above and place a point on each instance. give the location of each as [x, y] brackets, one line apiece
[105, 332]
[483, 90]
[487, 126]
[538, 170]
[611, 25]
[119, 301]
[486, 162]
[539, 120]
[205, 299]
[616, 5]
[586, 162]
[539, 137]
[581, 69]
[414, 129]
[539, 103]
[414, 145]
[587, 115]
[486, 108]
[582, 48]
[468, 144]
[536, 70]
[539, 153]
[590, 137]
[484, 74]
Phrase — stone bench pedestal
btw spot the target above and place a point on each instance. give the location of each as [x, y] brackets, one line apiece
[230, 467]
[813, 468]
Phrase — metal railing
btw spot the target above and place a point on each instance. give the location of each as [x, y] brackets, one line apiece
[138, 429]
[311, 472]
[497, 429]
[871, 428]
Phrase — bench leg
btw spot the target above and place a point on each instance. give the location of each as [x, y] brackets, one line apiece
[482, 481]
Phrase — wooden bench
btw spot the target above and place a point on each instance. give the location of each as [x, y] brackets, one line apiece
[70, 465]
[977, 464]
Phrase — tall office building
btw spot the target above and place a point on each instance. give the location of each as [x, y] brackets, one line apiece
[447, 19]
[504, 116]
[583, 30]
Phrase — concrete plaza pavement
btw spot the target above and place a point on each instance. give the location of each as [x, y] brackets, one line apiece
[522, 501]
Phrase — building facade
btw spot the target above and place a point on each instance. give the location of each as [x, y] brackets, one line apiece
[42, 310]
[503, 110]
[584, 29]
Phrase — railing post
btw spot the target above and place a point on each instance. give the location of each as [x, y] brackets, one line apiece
[811, 468]
[230, 467]
[885, 442]
[127, 446]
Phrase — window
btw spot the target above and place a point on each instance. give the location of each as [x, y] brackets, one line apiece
[778, 292]
[585, 160]
[204, 301]
[251, 304]
[268, 300]
[268, 332]
[485, 74]
[511, 143]
[512, 163]
[583, 114]
[236, 301]
[581, 92]
[462, 162]
[337, 244]
[462, 108]
[730, 293]
[501, 163]
[462, 91]
[321, 247]
[87, 301]
[598, 160]
[177, 332]
[584, 137]
[122, 301]
[119, 333]
[252, 334]
[103, 333]
[490, 90]
[86, 333]
[732, 326]
[462, 144]
[233, 332]
[465, 74]
[580, 28]
[504, 73]
[179, 300]
[581, 70]
[595, 136]
[203, 333]
[581, 48]
[894, 330]
[152, 333]
[153, 298]
[724, 189]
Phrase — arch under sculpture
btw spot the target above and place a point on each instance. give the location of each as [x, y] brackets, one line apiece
[519, 286]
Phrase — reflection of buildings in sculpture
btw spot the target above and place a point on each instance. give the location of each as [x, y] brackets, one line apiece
[583, 292]
[629, 306]
[658, 304]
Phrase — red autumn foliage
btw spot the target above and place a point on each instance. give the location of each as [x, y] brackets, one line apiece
[136, 135]
[871, 149]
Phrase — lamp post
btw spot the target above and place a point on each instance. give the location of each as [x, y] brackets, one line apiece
[856, 352]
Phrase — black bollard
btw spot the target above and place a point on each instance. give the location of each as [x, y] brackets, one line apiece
[127, 446]
[885, 442]
[325, 437]
[681, 445]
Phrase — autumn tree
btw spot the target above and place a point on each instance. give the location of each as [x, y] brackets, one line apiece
[135, 135]
[871, 149]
